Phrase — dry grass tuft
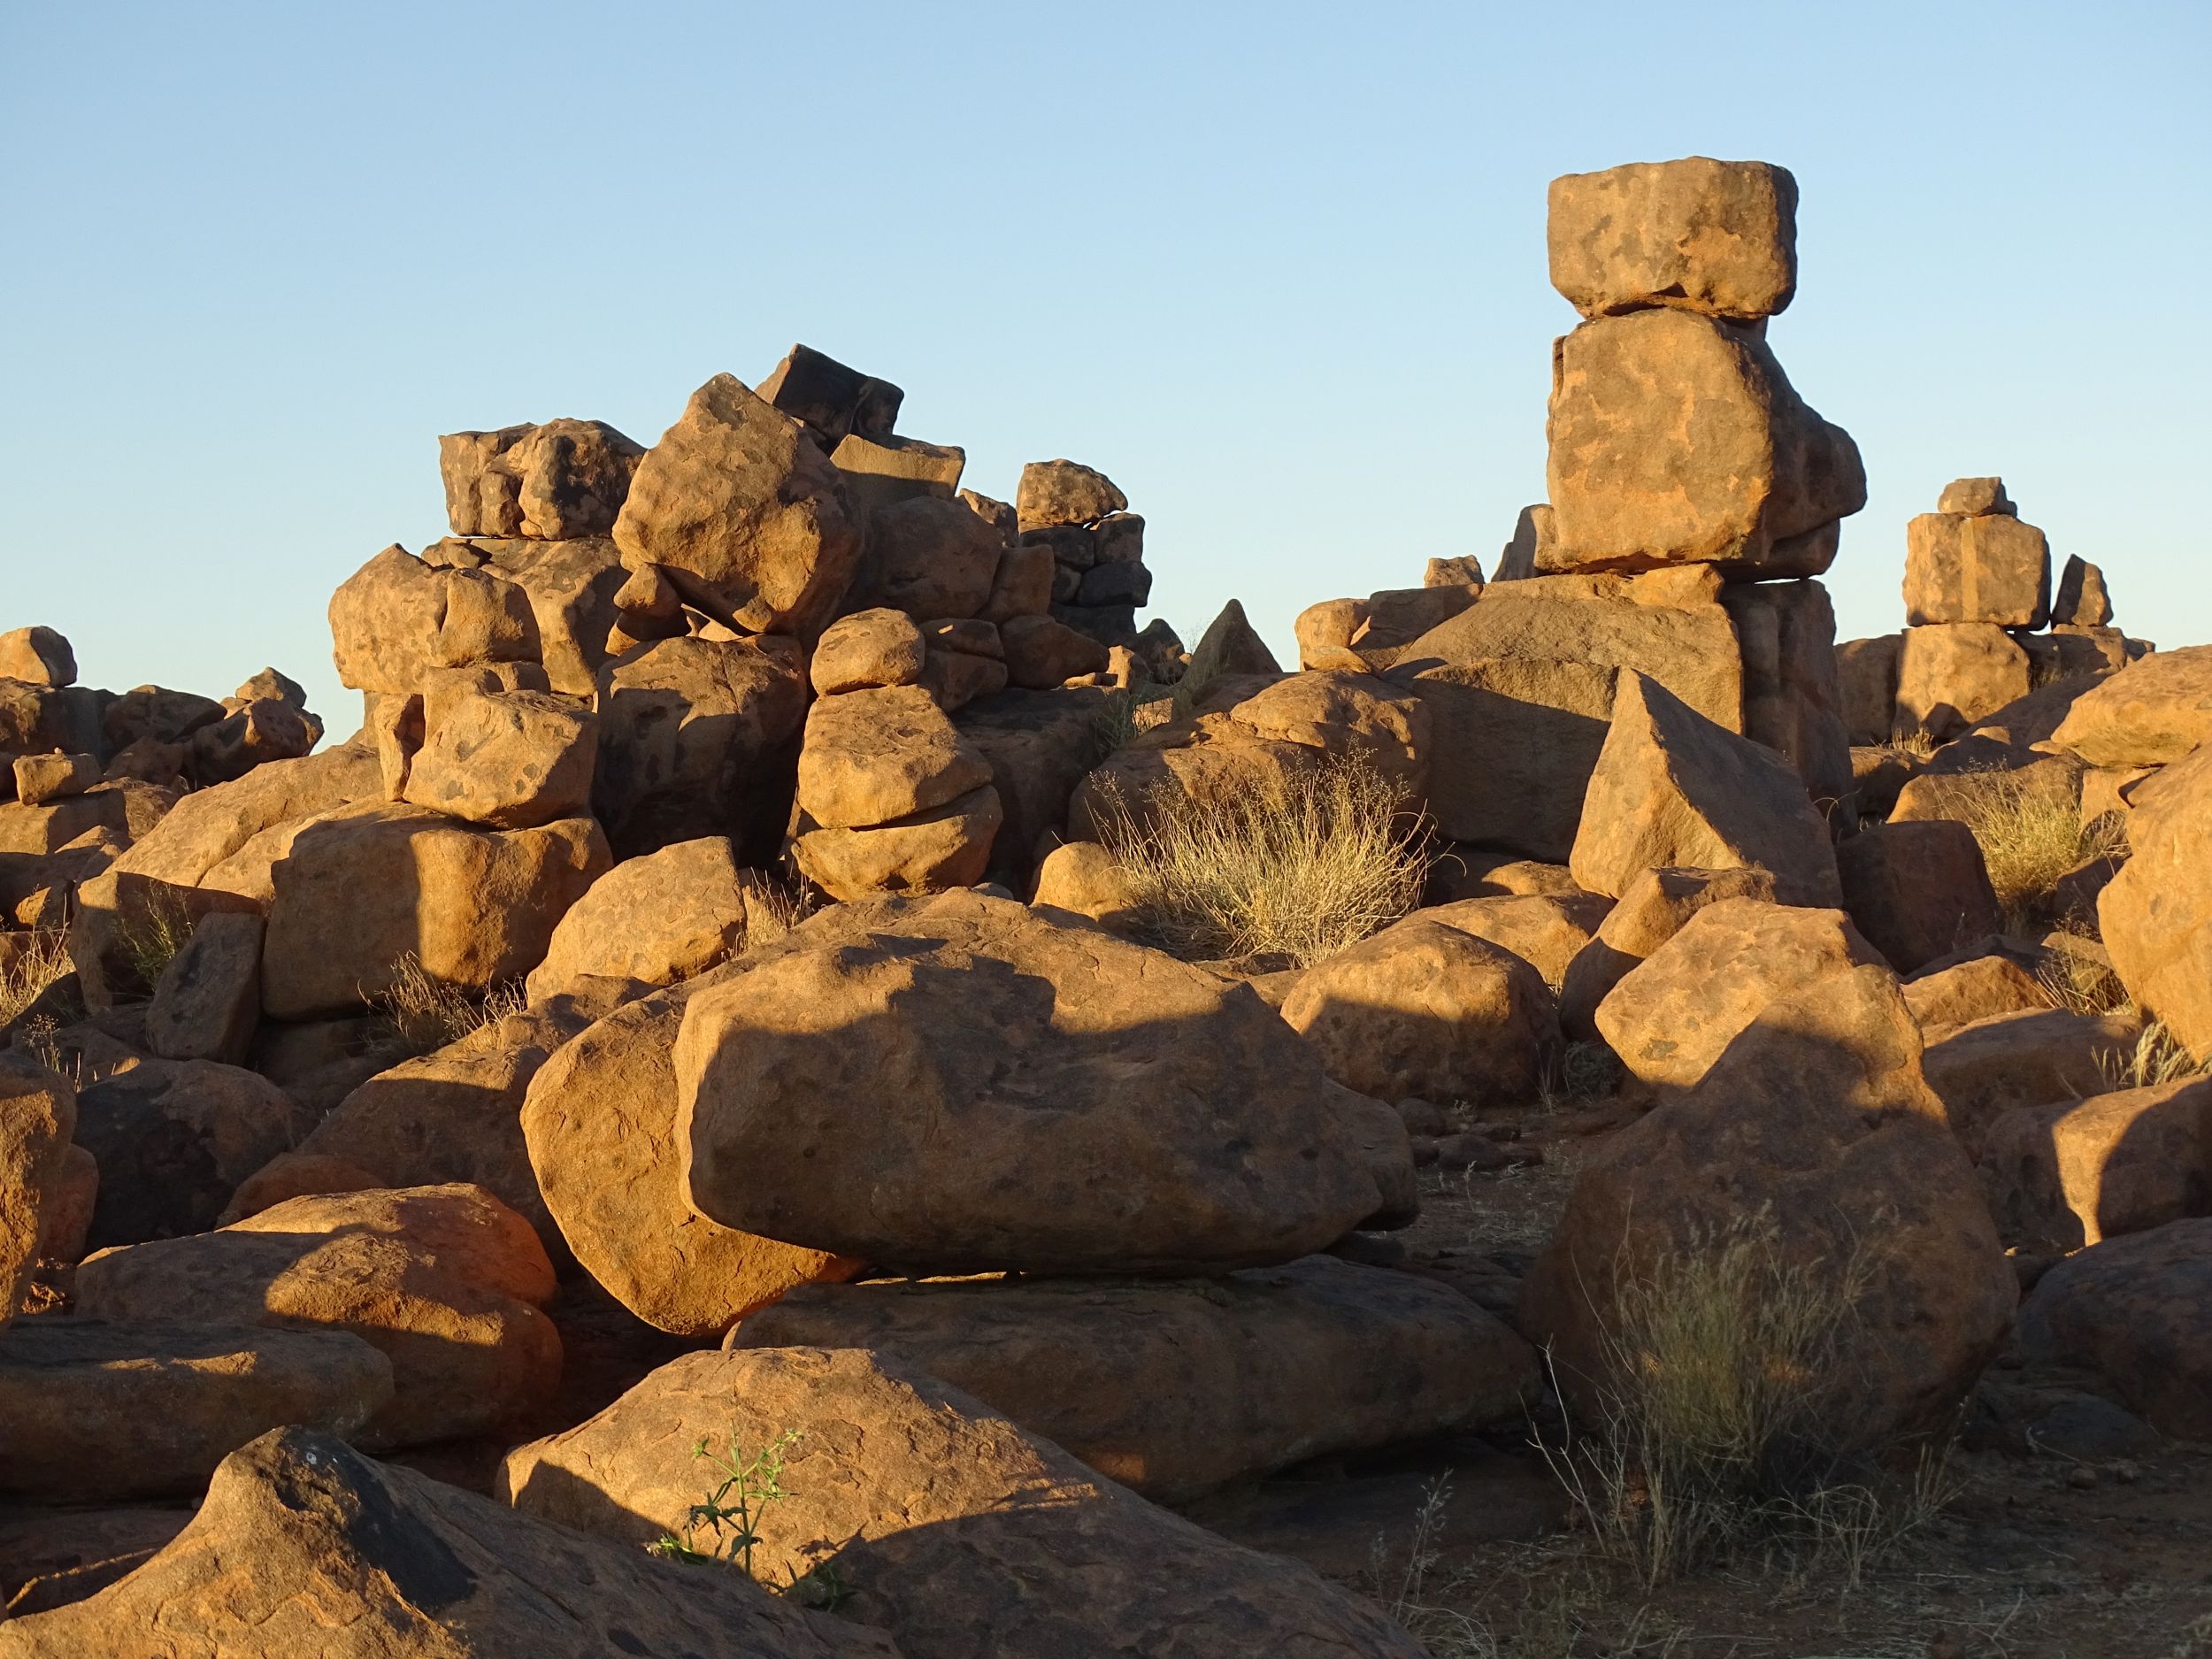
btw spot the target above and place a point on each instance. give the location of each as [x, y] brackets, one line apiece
[1579, 1074]
[1726, 1359]
[772, 908]
[2028, 840]
[1284, 874]
[428, 1013]
[1912, 743]
[2157, 1058]
[151, 934]
[2082, 981]
[25, 975]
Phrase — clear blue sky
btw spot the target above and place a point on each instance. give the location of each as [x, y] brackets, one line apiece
[1279, 269]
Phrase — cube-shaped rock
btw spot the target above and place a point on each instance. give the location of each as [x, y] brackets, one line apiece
[1986, 567]
[1714, 236]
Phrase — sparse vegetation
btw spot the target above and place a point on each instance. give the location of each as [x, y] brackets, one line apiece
[2029, 839]
[2158, 1058]
[1579, 1074]
[151, 933]
[772, 910]
[428, 1013]
[1276, 875]
[25, 975]
[2082, 981]
[725, 1526]
[1912, 743]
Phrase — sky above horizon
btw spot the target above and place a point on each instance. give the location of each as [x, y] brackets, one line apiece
[1280, 271]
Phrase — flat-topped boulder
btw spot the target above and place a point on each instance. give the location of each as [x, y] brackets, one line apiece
[38, 1114]
[1718, 237]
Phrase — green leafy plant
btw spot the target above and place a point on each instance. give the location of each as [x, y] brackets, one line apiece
[725, 1527]
[150, 933]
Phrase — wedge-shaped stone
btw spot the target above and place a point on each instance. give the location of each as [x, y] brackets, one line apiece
[2149, 713]
[1176, 1388]
[1917, 890]
[2069, 1174]
[1714, 236]
[2082, 601]
[2034, 1058]
[1812, 1144]
[832, 399]
[657, 919]
[1673, 788]
[2155, 916]
[1971, 990]
[978, 1087]
[353, 1559]
[957, 1534]
[1649, 913]
[38, 1114]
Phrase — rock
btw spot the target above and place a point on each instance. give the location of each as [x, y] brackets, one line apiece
[956, 678]
[366, 886]
[1866, 680]
[738, 499]
[658, 918]
[1987, 568]
[2130, 1312]
[1230, 645]
[928, 558]
[453, 1115]
[1650, 912]
[38, 1114]
[2149, 713]
[691, 733]
[873, 757]
[1673, 788]
[1064, 492]
[1917, 890]
[552, 483]
[173, 1138]
[515, 761]
[1546, 930]
[208, 1000]
[295, 1175]
[1022, 586]
[440, 1280]
[2066, 1175]
[2156, 915]
[600, 1121]
[1424, 1007]
[2082, 601]
[1758, 490]
[261, 732]
[1226, 1145]
[1175, 1388]
[1718, 237]
[1520, 688]
[879, 474]
[1672, 1016]
[55, 1557]
[1971, 796]
[2037, 1058]
[958, 1533]
[832, 400]
[1792, 702]
[39, 779]
[93, 1412]
[1040, 744]
[1950, 675]
[396, 619]
[1042, 652]
[37, 657]
[154, 713]
[1975, 496]
[353, 1559]
[1971, 990]
[570, 588]
[1813, 1140]
[1471, 872]
[1085, 878]
[930, 851]
[868, 648]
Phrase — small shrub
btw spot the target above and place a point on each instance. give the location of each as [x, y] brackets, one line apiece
[151, 934]
[24, 976]
[1579, 1074]
[2028, 840]
[1725, 1359]
[428, 1013]
[2158, 1058]
[725, 1526]
[772, 910]
[1912, 743]
[1279, 874]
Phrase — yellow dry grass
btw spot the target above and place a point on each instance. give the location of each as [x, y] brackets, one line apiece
[25, 974]
[428, 1013]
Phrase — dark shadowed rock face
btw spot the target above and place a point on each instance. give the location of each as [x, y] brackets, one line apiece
[351, 1559]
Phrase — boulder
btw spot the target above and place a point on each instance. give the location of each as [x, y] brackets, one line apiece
[262, 731]
[737, 498]
[1064, 492]
[2037, 1058]
[600, 1121]
[886, 472]
[1040, 744]
[551, 483]
[1917, 890]
[1718, 237]
[1648, 914]
[1426, 1008]
[873, 757]
[1950, 675]
[295, 1175]
[365, 886]
[957, 1534]
[1813, 1141]
[2067, 1175]
[208, 1000]
[1022, 586]
[1672, 1016]
[2131, 1312]
[1546, 930]
[868, 648]
[1042, 652]
[1793, 702]
[1173, 1388]
[832, 400]
[1671, 787]
[1986, 568]
[2082, 601]
[2149, 713]
[570, 587]
[2156, 915]
[1678, 440]
[37, 657]
[1230, 645]
[696, 738]
[977, 1070]
[956, 678]
[354, 1559]
[173, 1139]
[1971, 990]
[1975, 495]
[930, 851]
[38, 1114]
[1970, 796]
[1866, 682]
[928, 557]
[514, 761]
[442, 1279]
[39, 779]
[92, 1412]
[1087, 878]
[658, 919]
